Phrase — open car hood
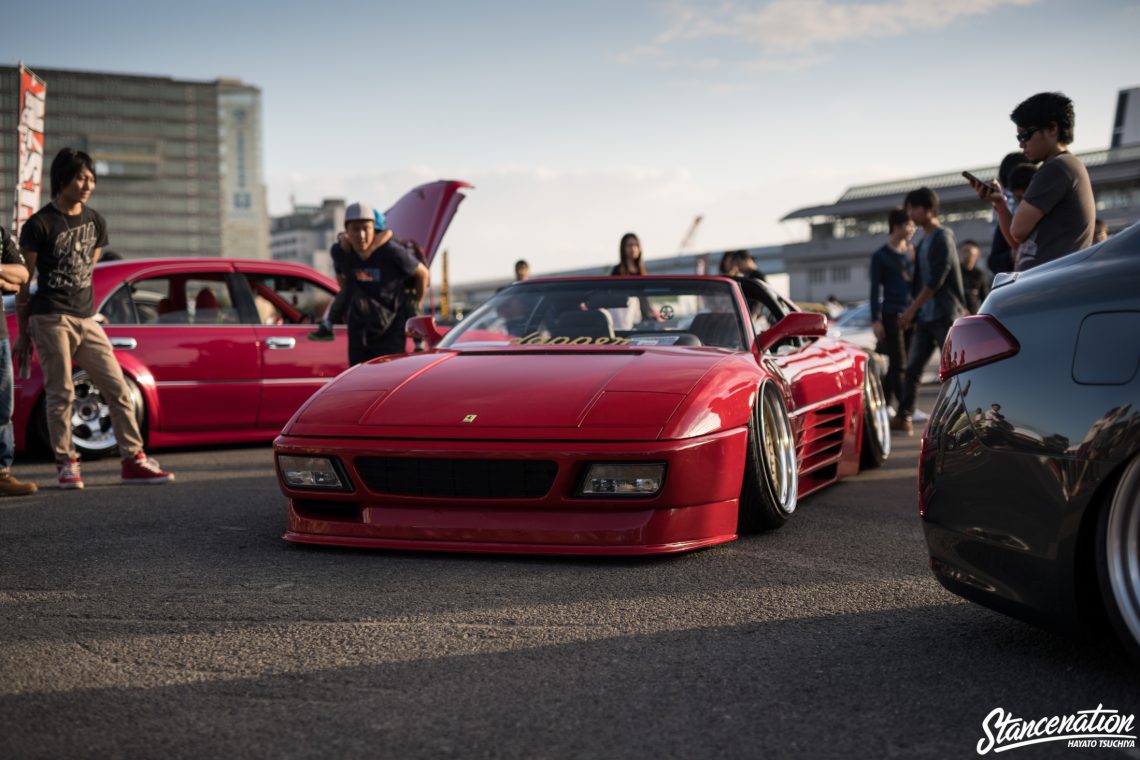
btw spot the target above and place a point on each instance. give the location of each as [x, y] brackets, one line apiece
[425, 212]
[488, 394]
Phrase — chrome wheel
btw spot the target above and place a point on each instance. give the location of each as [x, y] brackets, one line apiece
[1121, 553]
[778, 447]
[876, 444]
[91, 429]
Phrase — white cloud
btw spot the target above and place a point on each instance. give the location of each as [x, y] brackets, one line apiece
[798, 28]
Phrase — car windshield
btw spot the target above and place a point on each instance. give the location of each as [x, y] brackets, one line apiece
[855, 318]
[616, 311]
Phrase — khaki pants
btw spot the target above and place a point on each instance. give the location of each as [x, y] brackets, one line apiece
[60, 339]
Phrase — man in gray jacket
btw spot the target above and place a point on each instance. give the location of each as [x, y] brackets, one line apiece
[939, 298]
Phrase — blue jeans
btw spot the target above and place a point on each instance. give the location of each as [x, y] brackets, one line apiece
[7, 400]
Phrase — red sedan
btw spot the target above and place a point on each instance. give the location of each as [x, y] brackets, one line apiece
[618, 415]
[216, 350]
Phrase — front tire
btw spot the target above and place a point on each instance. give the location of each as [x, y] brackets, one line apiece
[770, 489]
[1118, 558]
[91, 431]
[876, 444]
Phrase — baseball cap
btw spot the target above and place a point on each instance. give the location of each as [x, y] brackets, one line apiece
[358, 211]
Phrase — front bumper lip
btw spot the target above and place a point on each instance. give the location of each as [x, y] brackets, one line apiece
[696, 506]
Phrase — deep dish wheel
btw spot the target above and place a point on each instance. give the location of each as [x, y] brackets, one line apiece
[1118, 557]
[91, 429]
[770, 489]
[876, 445]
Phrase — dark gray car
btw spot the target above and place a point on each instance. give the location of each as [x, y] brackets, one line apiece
[1029, 479]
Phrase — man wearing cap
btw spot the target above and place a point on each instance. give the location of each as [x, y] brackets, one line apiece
[374, 272]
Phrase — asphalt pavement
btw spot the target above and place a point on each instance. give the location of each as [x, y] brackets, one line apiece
[172, 621]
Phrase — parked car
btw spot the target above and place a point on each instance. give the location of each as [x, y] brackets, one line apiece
[854, 326]
[215, 350]
[1029, 482]
[611, 415]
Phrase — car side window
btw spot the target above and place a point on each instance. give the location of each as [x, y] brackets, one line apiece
[119, 309]
[285, 299]
[198, 299]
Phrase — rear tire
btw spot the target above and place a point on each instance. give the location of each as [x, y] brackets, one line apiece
[876, 444]
[1118, 557]
[769, 492]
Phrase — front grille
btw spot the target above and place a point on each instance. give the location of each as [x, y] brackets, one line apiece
[458, 478]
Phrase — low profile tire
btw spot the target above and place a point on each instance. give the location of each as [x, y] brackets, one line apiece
[876, 446]
[771, 477]
[91, 429]
[1118, 557]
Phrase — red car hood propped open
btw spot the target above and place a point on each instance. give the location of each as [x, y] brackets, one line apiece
[454, 394]
[424, 214]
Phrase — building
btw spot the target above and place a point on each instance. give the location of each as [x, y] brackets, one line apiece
[835, 258]
[173, 158]
[305, 235]
[245, 233]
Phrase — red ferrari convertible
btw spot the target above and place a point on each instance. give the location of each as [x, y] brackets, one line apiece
[616, 415]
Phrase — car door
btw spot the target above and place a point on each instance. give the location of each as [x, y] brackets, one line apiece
[287, 303]
[179, 323]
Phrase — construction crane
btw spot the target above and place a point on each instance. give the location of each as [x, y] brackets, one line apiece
[692, 233]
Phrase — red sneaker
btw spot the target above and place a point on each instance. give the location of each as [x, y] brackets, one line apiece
[67, 473]
[143, 469]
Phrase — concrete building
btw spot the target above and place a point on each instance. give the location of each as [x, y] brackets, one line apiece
[245, 233]
[305, 236]
[172, 157]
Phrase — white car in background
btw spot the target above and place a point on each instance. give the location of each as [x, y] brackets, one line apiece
[854, 326]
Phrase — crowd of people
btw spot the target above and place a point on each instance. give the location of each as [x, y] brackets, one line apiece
[1043, 209]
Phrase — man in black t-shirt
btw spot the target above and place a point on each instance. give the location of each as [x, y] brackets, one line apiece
[61, 244]
[374, 272]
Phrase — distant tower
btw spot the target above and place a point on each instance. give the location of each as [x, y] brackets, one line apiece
[1126, 125]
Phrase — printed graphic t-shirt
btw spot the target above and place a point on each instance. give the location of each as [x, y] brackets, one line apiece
[65, 257]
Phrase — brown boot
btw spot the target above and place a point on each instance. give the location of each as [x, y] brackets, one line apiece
[9, 486]
[902, 425]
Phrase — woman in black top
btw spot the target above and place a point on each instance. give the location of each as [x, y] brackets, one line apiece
[630, 252]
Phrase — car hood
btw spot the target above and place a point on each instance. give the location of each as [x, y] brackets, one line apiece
[503, 393]
[424, 213]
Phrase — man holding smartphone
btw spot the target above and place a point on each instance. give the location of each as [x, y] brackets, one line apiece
[1058, 208]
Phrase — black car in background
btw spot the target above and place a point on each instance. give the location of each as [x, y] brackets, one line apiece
[1029, 477]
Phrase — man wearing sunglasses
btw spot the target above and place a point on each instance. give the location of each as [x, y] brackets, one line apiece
[1058, 209]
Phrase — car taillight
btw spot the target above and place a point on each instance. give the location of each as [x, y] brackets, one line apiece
[973, 342]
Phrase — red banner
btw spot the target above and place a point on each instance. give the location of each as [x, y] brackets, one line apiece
[30, 149]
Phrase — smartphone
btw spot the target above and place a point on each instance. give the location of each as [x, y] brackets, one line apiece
[972, 178]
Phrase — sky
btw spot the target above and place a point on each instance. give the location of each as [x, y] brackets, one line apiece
[579, 121]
